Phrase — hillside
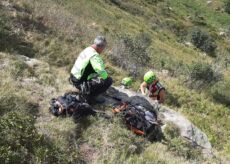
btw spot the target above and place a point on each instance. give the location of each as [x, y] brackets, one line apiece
[185, 41]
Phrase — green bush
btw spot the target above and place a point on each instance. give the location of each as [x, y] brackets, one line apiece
[220, 92]
[203, 74]
[203, 41]
[17, 137]
[131, 53]
[21, 143]
[227, 6]
[202, 71]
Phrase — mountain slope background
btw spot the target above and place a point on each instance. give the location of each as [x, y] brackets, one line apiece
[185, 42]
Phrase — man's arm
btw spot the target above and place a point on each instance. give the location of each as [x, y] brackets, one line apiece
[99, 67]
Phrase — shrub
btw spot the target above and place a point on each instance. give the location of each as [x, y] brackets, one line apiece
[220, 92]
[131, 53]
[203, 74]
[202, 71]
[203, 41]
[17, 135]
[21, 143]
[227, 6]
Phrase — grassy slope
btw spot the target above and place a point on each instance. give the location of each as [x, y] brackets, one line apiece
[58, 44]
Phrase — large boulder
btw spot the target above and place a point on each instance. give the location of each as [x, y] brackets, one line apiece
[187, 129]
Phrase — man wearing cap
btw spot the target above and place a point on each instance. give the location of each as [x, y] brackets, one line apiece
[88, 73]
[152, 87]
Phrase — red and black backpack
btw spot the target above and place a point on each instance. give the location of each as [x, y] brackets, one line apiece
[139, 120]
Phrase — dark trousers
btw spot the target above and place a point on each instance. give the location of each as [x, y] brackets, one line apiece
[92, 87]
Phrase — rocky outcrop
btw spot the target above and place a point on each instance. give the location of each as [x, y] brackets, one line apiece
[187, 129]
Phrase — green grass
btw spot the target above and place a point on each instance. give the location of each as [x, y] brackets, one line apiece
[55, 31]
[213, 18]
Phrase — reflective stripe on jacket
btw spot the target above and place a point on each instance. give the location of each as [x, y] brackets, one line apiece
[89, 56]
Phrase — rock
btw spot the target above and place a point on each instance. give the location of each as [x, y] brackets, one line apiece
[188, 44]
[32, 62]
[28, 81]
[223, 32]
[209, 2]
[170, 8]
[203, 54]
[165, 72]
[187, 129]
[35, 63]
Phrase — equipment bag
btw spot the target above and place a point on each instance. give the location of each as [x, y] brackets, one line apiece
[139, 120]
[70, 104]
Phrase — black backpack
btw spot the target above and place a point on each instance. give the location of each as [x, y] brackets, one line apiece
[70, 104]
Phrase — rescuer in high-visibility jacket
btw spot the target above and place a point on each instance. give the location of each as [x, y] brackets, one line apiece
[88, 73]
